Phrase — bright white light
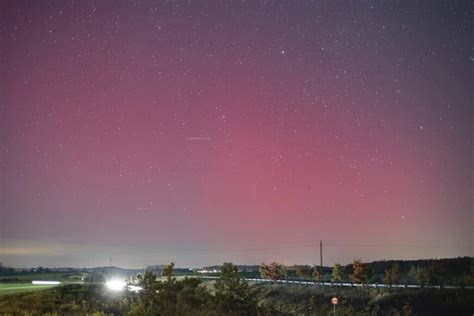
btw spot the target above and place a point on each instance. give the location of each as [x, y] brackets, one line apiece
[45, 282]
[116, 285]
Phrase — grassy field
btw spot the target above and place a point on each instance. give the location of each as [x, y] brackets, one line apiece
[15, 288]
[21, 283]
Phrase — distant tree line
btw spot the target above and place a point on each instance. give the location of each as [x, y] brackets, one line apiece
[458, 271]
[5, 270]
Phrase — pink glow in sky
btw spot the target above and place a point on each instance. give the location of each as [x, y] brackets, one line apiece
[247, 132]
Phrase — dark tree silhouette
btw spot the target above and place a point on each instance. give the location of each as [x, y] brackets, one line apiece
[233, 295]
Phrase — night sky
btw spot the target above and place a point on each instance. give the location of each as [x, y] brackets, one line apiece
[202, 132]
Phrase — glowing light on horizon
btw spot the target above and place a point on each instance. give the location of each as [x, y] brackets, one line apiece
[115, 285]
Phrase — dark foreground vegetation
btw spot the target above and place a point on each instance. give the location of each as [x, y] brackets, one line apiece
[231, 295]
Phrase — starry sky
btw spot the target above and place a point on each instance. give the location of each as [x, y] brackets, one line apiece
[246, 131]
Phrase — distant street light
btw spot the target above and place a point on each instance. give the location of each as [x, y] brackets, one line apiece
[115, 285]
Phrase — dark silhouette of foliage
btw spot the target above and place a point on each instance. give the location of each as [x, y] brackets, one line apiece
[421, 276]
[193, 297]
[392, 274]
[369, 274]
[146, 302]
[169, 297]
[303, 271]
[432, 273]
[234, 296]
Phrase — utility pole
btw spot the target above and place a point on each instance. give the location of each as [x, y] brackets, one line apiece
[110, 261]
[321, 255]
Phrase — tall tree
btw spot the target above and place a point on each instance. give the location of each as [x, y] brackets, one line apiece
[316, 274]
[264, 271]
[432, 273]
[193, 297]
[411, 275]
[147, 301]
[357, 275]
[233, 295]
[421, 275]
[336, 275]
[283, 272]
[168, 291]
[392, 274]
[369, 274]
[167, 272]
[469, 279]
[272, 271]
